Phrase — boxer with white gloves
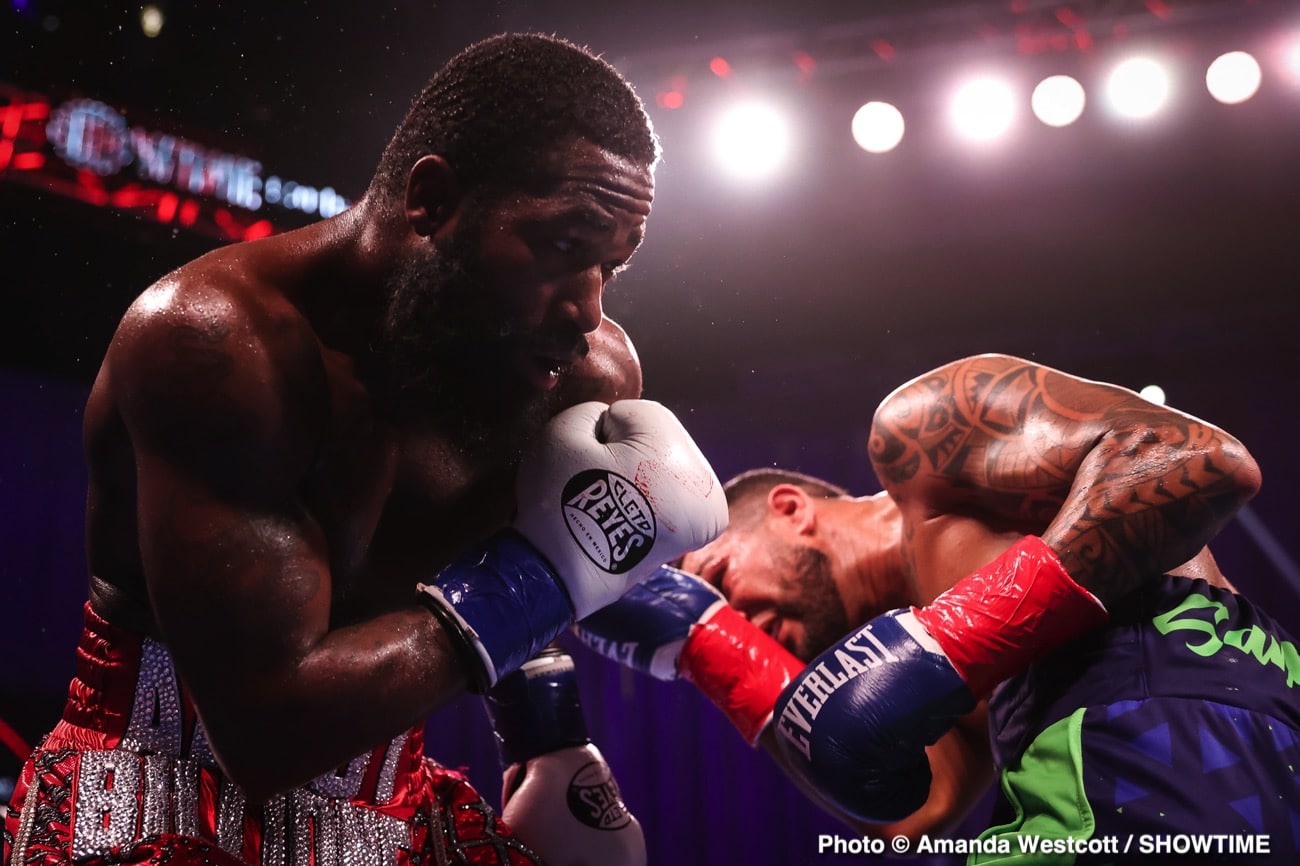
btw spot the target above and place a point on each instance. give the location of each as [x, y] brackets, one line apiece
[287, 434]
[605, 495]
[558, 792]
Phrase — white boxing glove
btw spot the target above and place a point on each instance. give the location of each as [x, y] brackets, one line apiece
[605, 495]
[610, 493]
[558, 794]
[566, 806]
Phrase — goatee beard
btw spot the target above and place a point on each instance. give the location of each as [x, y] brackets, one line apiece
[819, 604]
[444, 352]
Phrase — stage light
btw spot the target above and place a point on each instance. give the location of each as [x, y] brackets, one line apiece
[1058, 100]
[877, 127]
[983, 109]
[670, 99]
[1291, 61]
[751, 140]
[1233, 77]
[151, 20]
[1138, 87]
[1154, 394]
[805, 63]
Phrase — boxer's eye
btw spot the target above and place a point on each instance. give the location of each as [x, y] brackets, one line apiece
[714, 572]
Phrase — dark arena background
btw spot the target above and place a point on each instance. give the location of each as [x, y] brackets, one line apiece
[1151, 240]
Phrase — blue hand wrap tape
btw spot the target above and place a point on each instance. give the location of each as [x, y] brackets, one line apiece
[507, 596]
[537, 709]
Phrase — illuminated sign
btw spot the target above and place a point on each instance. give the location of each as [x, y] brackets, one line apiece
[86, 150]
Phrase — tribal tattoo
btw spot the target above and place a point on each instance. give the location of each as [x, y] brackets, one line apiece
[1118, 486]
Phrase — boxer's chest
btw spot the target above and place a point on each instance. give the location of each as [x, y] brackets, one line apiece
[395, 506]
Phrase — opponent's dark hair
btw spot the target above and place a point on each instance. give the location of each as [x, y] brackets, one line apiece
[747, 492]
[499, 106]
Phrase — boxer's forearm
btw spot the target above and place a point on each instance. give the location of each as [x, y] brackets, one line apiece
[1147, 498]
[1119, 488]
[358, 687]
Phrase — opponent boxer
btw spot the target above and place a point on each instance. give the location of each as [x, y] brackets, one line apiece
[302, 456]
[1033, 526]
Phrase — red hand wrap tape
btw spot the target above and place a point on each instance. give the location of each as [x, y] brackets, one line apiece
[996, 621]
[739, 667]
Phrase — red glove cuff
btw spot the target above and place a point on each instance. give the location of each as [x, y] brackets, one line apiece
[739, 667]
[996, 621]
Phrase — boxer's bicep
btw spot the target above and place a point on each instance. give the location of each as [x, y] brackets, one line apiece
[236, 569]
[224, 421]
[982, 431]
[1119, 487]
[240, 593]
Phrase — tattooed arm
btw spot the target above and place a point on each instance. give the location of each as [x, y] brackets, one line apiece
[1017, 485]
[225, 401]
[1118, 487]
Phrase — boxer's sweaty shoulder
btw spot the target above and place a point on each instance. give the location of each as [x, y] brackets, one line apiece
[971, 463]
[218, 346]
[232, 331]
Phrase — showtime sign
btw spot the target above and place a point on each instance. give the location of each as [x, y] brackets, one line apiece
[86, 150]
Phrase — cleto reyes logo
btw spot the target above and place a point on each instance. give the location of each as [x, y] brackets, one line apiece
[609, 518]
[594, 799]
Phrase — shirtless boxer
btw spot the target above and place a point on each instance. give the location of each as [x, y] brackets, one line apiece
[1034, 528]
[305, 453]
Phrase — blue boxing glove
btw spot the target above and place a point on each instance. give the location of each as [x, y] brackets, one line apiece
[674, 624]
[646, 629]
[856, 723]
[604, 496]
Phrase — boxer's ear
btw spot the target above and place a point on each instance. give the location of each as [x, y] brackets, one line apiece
[432, 194]
[790, 505]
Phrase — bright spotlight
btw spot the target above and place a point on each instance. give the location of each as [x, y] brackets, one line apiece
[1153, 393]
[1058, 100]
[1233, 77]
[151, 21]
[983, 109]
[1291, 62]
[1138, 87]
[751, 141]
[877, 127]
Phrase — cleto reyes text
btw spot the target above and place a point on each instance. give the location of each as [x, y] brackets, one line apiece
[618, 509]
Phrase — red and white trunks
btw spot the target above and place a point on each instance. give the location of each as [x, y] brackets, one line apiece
[127, 777]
